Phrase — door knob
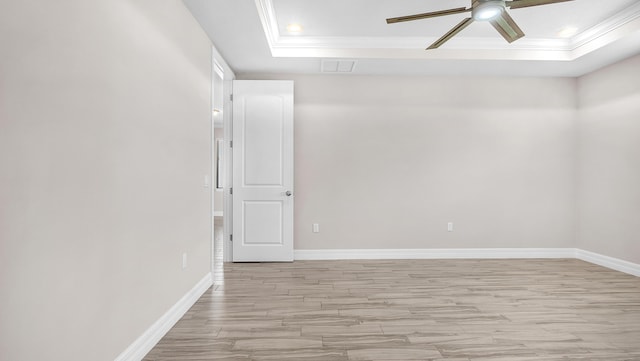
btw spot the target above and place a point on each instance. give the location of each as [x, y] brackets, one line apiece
[288, 193]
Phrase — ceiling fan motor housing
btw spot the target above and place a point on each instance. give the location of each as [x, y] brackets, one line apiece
[485, 10]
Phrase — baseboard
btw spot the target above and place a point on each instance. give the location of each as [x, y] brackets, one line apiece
[467, 253]
[436, 253]
[140, 347]
[609, 262]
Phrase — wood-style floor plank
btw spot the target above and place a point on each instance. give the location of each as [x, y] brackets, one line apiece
[456, 310]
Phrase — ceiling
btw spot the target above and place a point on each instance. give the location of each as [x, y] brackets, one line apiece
[252, 36]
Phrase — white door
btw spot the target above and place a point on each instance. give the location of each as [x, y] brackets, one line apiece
[262, 171]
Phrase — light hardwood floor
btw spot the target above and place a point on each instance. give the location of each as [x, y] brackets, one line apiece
[507, 310]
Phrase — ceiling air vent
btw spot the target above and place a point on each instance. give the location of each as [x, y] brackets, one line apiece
[338, 66]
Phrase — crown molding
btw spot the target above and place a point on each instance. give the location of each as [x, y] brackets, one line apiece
[267, 14]
[618, 21]
[614, 28]
[596, 37]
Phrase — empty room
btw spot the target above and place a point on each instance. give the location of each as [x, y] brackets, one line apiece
[329, 180]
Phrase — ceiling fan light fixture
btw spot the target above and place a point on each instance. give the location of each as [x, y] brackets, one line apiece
[492, 11]
[488, 10]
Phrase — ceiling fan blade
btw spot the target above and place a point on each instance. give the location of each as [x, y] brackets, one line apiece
[456, 29]
[427, 15]
[517, 4]
[507, 27]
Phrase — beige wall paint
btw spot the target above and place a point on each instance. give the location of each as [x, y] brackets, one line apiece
[104, 141]
[609, 161]
[386, 162]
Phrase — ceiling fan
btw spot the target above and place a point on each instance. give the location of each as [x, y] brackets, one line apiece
[493, 11]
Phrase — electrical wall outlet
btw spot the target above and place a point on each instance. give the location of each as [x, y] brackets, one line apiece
[184, 260]
[450, 227]
[316, 228]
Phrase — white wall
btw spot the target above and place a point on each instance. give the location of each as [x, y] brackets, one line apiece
[386, 162]
[104, 141]
[609, 161]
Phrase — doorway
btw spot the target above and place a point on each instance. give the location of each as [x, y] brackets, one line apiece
[218, 172]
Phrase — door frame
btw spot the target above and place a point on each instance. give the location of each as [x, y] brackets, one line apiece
[220, 66]
[227, 161]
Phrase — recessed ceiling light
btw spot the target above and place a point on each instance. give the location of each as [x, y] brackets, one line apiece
[294, 28]
[567, 31]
